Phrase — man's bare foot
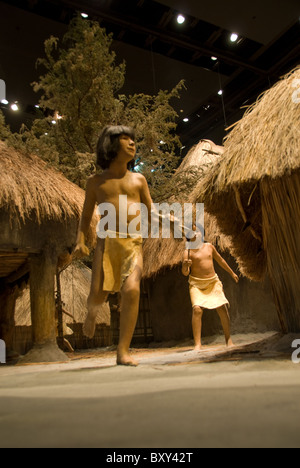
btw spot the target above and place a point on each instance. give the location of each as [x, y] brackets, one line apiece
[89, 327]
[126, 360]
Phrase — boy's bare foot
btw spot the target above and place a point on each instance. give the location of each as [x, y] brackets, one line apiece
[230, 343]
[198, 348]
[89, 327]
[126, 360]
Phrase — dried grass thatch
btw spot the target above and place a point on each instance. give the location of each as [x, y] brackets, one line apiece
[31, 189]
[239, 217]
[254, 193]
[75, 288]
[201, 156]
[281, 233]
[266, 141]
[160, 254]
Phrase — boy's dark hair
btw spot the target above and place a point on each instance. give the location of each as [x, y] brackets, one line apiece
[109, 144]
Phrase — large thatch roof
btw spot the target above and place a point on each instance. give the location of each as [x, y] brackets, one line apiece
[30, 187]
[264, 144]
[160, 254]
[33, 196]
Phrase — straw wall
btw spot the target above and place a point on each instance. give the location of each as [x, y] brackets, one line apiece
[238, 216]
[281, 228]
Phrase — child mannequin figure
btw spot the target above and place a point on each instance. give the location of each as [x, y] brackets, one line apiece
[118, 261]
[206, 290]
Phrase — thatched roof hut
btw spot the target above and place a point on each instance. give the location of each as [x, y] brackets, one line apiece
[254, 193]
[35, 195]
[75, 288]
[160, 254]
[39, 215]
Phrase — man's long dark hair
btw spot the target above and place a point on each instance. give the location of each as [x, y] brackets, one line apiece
[109, 145]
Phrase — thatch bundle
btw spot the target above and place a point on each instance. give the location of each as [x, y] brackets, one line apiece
[254, 193]
[160, 254]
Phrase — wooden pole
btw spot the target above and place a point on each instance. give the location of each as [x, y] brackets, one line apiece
[59, 312]
[42, 271]
[8, 297]
[44, 330]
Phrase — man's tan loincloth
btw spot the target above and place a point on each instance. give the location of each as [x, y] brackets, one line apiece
[207, 292]
[120, 258]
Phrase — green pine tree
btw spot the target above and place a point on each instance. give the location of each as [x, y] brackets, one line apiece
[80, 93]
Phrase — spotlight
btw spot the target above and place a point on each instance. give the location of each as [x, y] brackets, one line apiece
[214, 58]
[180, 19]
[186, 120]
[84, 15]
[234, 37]
[14, 107]
[4, 101]
[220, 92]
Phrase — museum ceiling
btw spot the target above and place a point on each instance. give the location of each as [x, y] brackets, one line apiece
[159, 51]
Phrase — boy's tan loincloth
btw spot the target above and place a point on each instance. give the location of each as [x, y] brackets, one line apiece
[207, 292]
[120, 258]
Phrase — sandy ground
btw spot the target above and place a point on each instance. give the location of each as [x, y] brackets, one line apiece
[247, 396]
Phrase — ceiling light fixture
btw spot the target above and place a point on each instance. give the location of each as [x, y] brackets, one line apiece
[4, 101]
[220, 92]
[84, 15]
[234, 37]
[214, 58]
[180, 19]
[14, 107]
[186, 120]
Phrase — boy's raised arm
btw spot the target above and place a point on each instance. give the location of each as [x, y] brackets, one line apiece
[186, 263]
